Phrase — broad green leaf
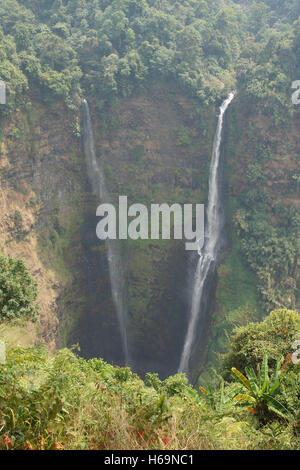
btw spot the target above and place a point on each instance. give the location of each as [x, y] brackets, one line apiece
[265, 373]
[244, 397]
[277, 372]
[274, 387]
[211, 398]
[278, 412]
[277, 406]
[242, 378]
[252, 380]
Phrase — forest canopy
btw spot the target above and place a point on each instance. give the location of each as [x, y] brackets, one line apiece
[111, 48]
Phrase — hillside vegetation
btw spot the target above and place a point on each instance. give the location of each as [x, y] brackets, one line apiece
[109, 49]
[154, 73]
[66, 49]
[64, 402]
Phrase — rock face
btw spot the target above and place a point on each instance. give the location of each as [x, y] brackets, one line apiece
[41, 175]
[154, 148]
[153, 151]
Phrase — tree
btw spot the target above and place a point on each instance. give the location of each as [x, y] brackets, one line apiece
[261, 390]
[274, 336]
[18, 290]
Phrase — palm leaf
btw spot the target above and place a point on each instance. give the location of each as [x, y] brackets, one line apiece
[252, 380]
[242, 378]
[277, 372]
[277, 406]
[274, 387]
[202, 390]
[278, 412]
[244, 397]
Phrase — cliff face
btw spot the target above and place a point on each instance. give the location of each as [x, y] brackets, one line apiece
[154, 148]
[260, 269]
[41, 171]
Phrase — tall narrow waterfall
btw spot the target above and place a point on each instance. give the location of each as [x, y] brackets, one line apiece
[209, 253]
[116, 273]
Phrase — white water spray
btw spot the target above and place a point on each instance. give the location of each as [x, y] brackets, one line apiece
[116, 274]
[209, 253]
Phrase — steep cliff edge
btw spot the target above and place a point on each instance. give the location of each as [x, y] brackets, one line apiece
[260, 270]
[41, 173]
[155, 147]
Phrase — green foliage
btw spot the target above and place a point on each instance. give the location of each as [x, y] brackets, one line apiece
[289, 392]
[15, 133]
[274, 337]
[17, 218]
[76, 129]
[261, 390]
[219, 401]
[270, 251]
[183, 137]
[65, 402]
[112, 48]
[18, 290]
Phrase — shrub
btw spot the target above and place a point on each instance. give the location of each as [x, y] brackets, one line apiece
[65, 402]
[261, 391]
[18, 290]
[274, 336]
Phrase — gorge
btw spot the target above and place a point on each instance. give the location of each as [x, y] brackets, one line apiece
[120, 332]
[208, 254]
[154, 74]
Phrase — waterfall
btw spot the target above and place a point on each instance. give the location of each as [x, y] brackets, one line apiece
[209, 253]
[116, 273]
